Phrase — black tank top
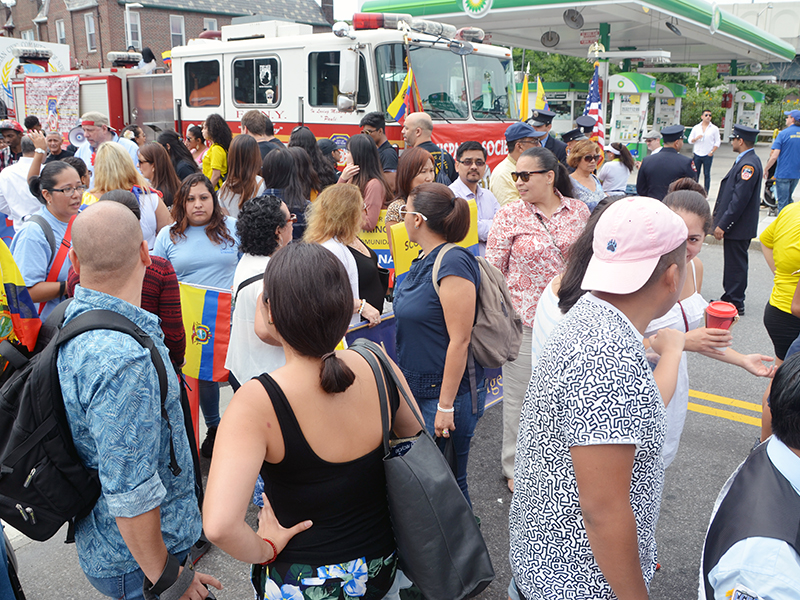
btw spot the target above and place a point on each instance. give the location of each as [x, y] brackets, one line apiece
[346, 501]
[370, 287]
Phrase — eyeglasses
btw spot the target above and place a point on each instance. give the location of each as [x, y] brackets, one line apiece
[468, 162]
[69, 190]
[526, 175]
[531, 142]
[141, 160]
[369, 131]
[592, 157]
[404, 212]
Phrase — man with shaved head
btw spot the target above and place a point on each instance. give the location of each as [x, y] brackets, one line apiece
[417, 132]
[147, 518]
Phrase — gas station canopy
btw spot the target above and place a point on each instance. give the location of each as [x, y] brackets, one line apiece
[695, 32]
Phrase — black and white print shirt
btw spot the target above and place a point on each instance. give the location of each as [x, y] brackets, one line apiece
[591, 386]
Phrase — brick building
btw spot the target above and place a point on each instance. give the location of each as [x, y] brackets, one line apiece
[93, 28]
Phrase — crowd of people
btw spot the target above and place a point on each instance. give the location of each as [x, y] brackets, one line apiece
[607, 284]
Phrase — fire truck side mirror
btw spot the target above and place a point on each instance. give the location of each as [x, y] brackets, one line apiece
[345, 104]
[348, 72]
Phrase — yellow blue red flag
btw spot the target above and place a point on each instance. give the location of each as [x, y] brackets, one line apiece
[541, 99]
[207, 321]
[407, 100]
[19, 319]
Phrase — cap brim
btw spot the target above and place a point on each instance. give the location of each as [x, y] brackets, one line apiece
[618, 277]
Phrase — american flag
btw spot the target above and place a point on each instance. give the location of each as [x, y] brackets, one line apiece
[594, 108]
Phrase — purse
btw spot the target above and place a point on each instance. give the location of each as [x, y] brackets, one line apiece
[439, 544]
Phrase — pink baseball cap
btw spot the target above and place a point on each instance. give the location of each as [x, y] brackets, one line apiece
[630, 237]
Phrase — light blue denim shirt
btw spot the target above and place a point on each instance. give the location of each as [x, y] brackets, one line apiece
[113, 403]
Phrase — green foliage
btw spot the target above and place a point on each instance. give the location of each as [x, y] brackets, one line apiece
[554, 67]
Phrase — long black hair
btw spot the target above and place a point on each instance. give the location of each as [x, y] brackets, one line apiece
[548, 162]
[279, 172]
[176, 149]
[304, 138]
[218, 130]
[365, 154]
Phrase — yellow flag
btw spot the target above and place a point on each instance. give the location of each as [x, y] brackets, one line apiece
[541, 101]
[523, 104]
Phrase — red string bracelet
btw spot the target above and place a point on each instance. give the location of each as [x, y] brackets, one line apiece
[274, 552]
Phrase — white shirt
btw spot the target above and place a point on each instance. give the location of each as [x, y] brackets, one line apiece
[346, 257]
[614, 176]
[768, 567]
[248, 356]
[85, 152]
[487, 207]
[707, 141]
[16, 199]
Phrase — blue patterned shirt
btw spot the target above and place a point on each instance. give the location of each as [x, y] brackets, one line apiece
[113, 403]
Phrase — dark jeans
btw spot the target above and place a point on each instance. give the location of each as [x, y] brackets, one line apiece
[209, 401]
[705, 163]
[465, 428]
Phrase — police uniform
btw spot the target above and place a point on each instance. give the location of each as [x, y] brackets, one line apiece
[736, 213]
[659, 170]
[540, 118]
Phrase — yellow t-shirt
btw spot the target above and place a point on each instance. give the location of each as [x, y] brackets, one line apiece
[783, 236]
[216, 158]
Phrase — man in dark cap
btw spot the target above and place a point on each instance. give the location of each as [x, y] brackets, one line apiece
[519, 137]
[542, 120]
[736, 213]
[659, 170]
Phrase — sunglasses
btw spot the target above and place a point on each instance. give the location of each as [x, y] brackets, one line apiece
[592, 157]
[292, 218]
[526, 175]
[404, 212]
[369, 131]
[468, 162]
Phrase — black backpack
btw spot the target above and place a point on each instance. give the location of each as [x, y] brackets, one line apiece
[43, 482]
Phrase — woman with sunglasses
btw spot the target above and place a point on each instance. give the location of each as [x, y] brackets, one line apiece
[59, 189]
[584, 157]
[196, 143]
[264, 225]
[529, 242]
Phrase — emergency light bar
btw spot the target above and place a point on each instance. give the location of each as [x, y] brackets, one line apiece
[32, 53]
[124, 59]
[394, 20]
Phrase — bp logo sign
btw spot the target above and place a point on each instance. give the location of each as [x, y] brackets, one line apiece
[476, 8]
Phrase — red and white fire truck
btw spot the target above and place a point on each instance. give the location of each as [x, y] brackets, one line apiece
[326, 81]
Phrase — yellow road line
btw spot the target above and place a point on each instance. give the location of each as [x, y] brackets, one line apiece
[725, 414]
[723, 400]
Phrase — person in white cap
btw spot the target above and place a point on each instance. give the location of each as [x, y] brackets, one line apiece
[588, 471]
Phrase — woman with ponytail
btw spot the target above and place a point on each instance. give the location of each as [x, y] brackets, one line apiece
[434, 327]
[312, 429]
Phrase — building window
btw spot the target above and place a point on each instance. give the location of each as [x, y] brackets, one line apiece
[91, 40]
[176, 30]
[255, 81]
[27, 35]
[210, 24]
[61, 32]
[135, 30]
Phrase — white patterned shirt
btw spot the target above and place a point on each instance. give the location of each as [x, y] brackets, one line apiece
[592, 386]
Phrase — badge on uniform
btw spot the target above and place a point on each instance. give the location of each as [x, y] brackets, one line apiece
[740, 592]
[747, 172]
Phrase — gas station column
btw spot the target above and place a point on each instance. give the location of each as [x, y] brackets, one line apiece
[729, 110]
[602, 70]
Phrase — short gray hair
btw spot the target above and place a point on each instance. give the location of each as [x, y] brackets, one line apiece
[26, 145]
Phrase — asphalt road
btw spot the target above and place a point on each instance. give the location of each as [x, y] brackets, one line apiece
[711, 448]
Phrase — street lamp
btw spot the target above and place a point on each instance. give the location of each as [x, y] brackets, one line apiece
[128, 31]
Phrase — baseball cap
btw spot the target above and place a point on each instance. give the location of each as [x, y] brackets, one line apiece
[11, 124]
[517, 131]
[795, 114]
[611, 149]
[326, 145]
[96, 119]
[652, 135]
[629, 239]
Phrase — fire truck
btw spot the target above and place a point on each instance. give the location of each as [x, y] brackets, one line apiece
[327, 81]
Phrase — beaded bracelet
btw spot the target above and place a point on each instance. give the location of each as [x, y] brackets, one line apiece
[361, 308]
[274, 552]
[445, 410]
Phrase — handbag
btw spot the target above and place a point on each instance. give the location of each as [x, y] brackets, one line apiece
[439, 544]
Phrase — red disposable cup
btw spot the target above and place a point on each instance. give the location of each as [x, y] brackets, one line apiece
[720, 315]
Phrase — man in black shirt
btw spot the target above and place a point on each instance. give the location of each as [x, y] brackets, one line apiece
[54, 141]
[374, 125]
[417, 131]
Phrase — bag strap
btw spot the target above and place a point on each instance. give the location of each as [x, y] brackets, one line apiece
[108, 319]
[46, 229]
[437, 264]
[382, 392]
[58, 257]
[245, 283]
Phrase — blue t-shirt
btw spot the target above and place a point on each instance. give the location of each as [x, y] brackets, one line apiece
[422, 338]
[788, 142]
[198, 260]
[33, 256]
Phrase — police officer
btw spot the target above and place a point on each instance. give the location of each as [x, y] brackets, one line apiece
[659, 170]
[736, 213]
[542, 120]
[571, 138]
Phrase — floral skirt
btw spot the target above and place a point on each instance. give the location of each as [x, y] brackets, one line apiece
[360, 578]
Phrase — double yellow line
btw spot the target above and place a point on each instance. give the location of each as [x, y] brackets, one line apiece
[725, 414]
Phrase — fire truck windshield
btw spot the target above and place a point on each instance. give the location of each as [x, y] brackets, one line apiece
[487, 91]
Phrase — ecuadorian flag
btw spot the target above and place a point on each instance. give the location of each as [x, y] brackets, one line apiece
[407, 100]
[207, 321]
[19, 319]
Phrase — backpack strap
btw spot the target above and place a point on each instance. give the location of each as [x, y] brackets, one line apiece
[108, 319]
[46, 229]
[437, 264]
[58, 257]
[244, 284]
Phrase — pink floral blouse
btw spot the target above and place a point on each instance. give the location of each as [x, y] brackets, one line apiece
[520, 246]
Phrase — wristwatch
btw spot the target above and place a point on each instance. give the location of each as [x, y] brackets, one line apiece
[40, 151]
